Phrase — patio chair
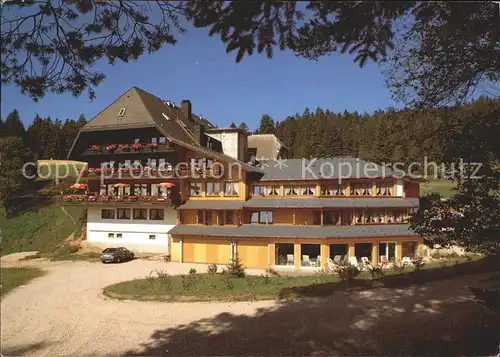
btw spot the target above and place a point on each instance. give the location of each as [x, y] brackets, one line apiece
[406, 261]
[289, 259]
[353, 261]
[337, 258]
[305, 260]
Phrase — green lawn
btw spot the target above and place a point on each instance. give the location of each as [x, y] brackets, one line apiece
[42, 230]
[11, 278]
[443, 187]
[48, 169]
[216, 287]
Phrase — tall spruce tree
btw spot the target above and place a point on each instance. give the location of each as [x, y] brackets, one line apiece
[266, 125]
[232, 125]
[243, 126]
[13, 125]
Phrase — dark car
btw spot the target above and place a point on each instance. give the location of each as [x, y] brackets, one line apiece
[116, 255]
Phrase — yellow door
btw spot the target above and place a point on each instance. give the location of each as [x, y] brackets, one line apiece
[252, 254]
[206, 251]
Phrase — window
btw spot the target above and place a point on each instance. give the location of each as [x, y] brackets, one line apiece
[141, 189]
[123, 213]
[384, 189]
[306, 190]
[209, 218]
[330, 217]
[316, 218]
[220, 218]
[119, 235]
[137, 140]
[152, 237]
[140, 213]
[333, 190]
[272, 190]
[410, 249]
[111, 235]
[231, 189]
[285, 254]
[102, 190]
[152, 163]
[127, 163]
[213, 188]
[258, 190]
[107, 213]
[195, 188]
[229, 217]
[359, 217]
[199, 217]
[156, 214]
[154, 140]
[121, 112]
[361, 189]
[310, 254]
[261, 217]
[161, 140]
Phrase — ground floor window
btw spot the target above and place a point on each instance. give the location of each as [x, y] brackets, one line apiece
[362, 251]
[339, 252]
[284, 254]
[156, 214]
[387, 251]
[152, 237]
[310, 255]
[229, 217]
[410, 249]
[107, 213]
[140, 213]
[123, 213]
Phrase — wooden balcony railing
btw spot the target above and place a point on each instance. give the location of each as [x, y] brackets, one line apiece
[90, 199]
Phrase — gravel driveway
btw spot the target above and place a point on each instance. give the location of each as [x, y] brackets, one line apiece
[65, 313]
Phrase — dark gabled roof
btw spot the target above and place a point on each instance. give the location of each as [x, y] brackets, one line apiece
[304, 169]
[277, 231]
[144, 109]
[212, 204]
[316, 202]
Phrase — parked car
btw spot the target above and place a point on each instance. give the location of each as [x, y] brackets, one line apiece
[116, 255]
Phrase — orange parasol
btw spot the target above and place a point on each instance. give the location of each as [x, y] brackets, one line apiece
[79, 186]
[166, 184]
[121, 185]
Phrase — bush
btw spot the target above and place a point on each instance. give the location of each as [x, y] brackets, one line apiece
[192, 271]
[418, 263]
[188, 282]
[377, 272]
[398, 268]
[265, 279]
[212, 269]
[346, 271]
[161, 281]
[235, 268]
[272, 272]
[228, 283]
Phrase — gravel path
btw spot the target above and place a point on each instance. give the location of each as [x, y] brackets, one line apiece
[64, 313]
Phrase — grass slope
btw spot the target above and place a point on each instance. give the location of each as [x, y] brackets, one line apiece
[43, 230]
[11, 278]
[48, 169]
[443, 187]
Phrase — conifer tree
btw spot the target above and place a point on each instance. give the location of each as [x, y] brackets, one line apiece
[266, 125]
[13, 125]
[232, 125]
[244, 127]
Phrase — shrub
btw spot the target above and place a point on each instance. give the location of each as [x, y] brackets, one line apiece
[346, 271]
[188, 282]
[418, 263]
[265, 279]
[398, 268]
[192, 271]
[162, 279]
[377, 272]
[228, 283]
[235, 268]
[212, 269]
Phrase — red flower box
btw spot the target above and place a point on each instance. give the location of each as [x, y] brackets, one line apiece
[104, 198]
[147, 199]
[111, 148]
[96, 148]
[124, 147]
[81, 198]
[119, 199]
[133, 198]
[92, 198]
[136, 147]
[67, 198]
[152, 146]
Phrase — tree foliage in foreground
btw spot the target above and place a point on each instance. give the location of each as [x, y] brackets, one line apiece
[438, 52]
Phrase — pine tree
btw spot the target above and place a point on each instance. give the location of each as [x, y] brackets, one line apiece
[13, 125]
[244, 127]
[12, 155]
[266, 125]
[232, 125]
[3, 129]
[81, 121]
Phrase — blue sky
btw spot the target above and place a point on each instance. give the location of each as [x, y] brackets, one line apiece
[221, 90]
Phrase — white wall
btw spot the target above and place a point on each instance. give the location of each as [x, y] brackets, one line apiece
[135, 233]
[229, 142]
[399, 188]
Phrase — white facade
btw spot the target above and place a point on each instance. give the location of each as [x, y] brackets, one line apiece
[141, 236]
[233, 143]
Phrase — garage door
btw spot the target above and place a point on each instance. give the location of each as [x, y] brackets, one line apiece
[204, 251]
[253, 254]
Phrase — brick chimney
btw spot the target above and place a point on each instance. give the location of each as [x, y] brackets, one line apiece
[186, 110]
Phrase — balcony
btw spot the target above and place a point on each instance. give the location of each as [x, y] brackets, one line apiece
[116, 200]
[152, 173]
[127, 149]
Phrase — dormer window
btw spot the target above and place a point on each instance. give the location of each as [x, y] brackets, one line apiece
[121, 112]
